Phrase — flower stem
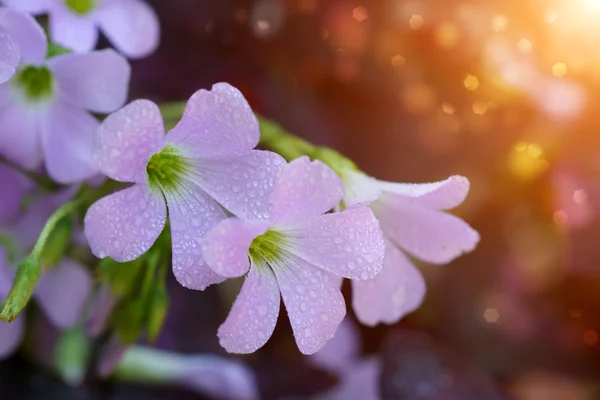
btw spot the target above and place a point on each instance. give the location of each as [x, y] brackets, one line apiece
[30, 267]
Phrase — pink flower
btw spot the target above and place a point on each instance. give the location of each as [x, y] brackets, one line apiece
[44, 115]
[205, 163]
[413, 221]
[131, 25]
[298, 251]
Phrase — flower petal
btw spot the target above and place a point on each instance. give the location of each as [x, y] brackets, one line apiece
[314, 303]
[127, 139]
[13, 186]
[342, 350]
[97, 81]
[428, 234]
[131, 25]
[442, 195]
[30, 6]
[20, 142]
[225, 247]
[242, 184]
[25, 30]
[68, 141]
[253, 316]
[216, 123]
[192, 213]
[349, 243]
[305, 189]
[398, 290]
[11, 334]
[360, 381]
[125, 224]
[77, 33]
[9, 55]
[218, 377]
[63, 291]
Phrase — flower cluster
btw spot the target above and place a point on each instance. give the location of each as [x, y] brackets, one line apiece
[201, 194]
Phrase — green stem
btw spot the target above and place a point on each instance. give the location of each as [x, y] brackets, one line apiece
[30, 267]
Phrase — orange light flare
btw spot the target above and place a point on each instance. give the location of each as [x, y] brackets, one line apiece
[573, 28]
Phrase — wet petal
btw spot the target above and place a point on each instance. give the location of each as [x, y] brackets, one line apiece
[125, 224]
[441, 195]
[62, 292]
[242, 184]
[216, 123]
[253, 316]
[9, 55]
[314, 304]
[77, 33]
[131, 25]
[226, 246]
[127, 139]
[97, 81]
[305, 189]
[11, 334]
[68, 142]
[396, 291]
[30, 36]
[192, 213]
[20, 142]
[431, 235]
[349, 243]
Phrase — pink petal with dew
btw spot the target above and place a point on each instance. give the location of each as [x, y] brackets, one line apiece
[253, 316]
[396, 291]
[127, 139]
[314, 303]
[9, 55]
[305, 189]
[192, 213]
[216, 123]
[349, 243]
[242, 184]
[226, 246]
[125, 224]
[431, 235]
[27, 33]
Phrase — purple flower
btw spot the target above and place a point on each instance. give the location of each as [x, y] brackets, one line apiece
[296, 251]
[358, 377]
[205, 162]
[131, 25]
[412, 220]
[206, 374]
[13, 187]
[43, 114]
[15, 28]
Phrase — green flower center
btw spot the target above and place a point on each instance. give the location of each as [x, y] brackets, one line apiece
[267, 246]
[81, 7]
[37, 83]
[167, 169]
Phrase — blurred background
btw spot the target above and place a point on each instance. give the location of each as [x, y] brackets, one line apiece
[504, 92]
